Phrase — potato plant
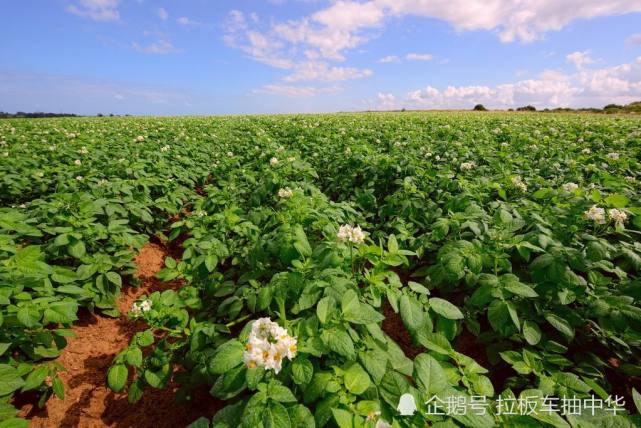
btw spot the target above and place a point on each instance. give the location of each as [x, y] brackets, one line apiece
[504, 247]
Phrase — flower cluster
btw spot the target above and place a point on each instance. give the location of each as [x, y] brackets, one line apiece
[78, 162]
[596, 214]
[519, 184]
[165, 148]
[268, 344]
[586, 151]
[291, 159]
[466, 166]
[83, 150]
[273, 161]
[613, 156]
[285, 193]
[140, 139]
[352, 234]
[570, 187]
[618, 216]
[139, 307]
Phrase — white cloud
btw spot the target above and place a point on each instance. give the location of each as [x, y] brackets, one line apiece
[119, 97]
[584, 88]
[161, 47]
[311, 70]
[295, 91]
[163, 14]
[187, 22]
[634, 39]
[385, 101]
[579, 59]
[97, 10]
[418, 57]
[389, 58]
[514, 20]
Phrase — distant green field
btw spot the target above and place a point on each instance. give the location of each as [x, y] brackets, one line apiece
[468, 259]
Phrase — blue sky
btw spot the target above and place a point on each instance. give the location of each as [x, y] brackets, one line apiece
[272, 56]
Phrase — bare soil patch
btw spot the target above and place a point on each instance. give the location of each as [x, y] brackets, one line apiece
[88, 401]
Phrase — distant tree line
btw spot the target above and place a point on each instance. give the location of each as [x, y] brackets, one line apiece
[4, 115]
[21, 114]
[634, 107]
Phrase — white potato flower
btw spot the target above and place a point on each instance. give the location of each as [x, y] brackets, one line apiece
[586, 151]
[140, 139]
[83, 150]
[519, 184]
[352, 234]
[268, 345]
[613, 156]
[285, 193]
[596, 214]
[78, 162]
[79, 178]
[570, 187]
[618, 216]
[466, 166]
[138, 308]
[291, 159]
[165, 148]
[273, 161]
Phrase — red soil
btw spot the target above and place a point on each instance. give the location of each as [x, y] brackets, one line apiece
[88, 402]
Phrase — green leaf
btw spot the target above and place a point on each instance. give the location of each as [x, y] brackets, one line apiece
[77, 249]
[357, 380]
[301, 417]
[349, 302]
[117, 377]
[154, 379]
[35, 378]
[343, 418]
[445, 308]
[617, 200]
[227, 356]
[362, 313]
[145, 338]
[302, 371]
[429, 374]
[201, 422]
[58, 388]
[60, 312]
[4, 347]
[276, 416]
[29, 317]
[324, 307]
[14, 423]
[134, 356]
[637, 399]
[280, 393]
[340, 342]
[114, 278]
[531, 332]
[561, 325]
[10, 379]
[520, 289]
[412, 313]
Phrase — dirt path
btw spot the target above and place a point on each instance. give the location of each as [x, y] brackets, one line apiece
[88, 402]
